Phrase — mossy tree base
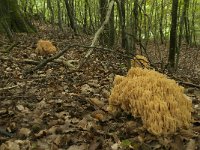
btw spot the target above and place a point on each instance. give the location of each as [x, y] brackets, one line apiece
[12, 19]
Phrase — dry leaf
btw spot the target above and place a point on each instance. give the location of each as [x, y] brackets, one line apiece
[58, 140]
[9, 146]
[97, 102]
[86, 89]
[93, 83]
[3, 111]
[187, 134]
[22, 109]
[24, 132]
[96, 144]
[52, 130]
[42, 104]
[63, 115]
[83, 124]
[41, 134]
[76, 147]
[116, 146]
[191, 145]
[100, 115]
[25, 144]
[178, 144]
[105, 93]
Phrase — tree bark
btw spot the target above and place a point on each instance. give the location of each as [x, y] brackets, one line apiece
[173, 36]
[186, 22]
[12, 19]
[70, 12]
[121, 11]
[161, 23]
[51, 11]
[107, 37]
[97, 34]
[59, 16]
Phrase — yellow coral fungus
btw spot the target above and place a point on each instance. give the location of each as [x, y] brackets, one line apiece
[159, 101]
[140, 61]
[45, 47]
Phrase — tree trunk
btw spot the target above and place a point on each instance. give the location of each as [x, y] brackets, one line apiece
[10, 13]
[59, 16]
[70, 12]
[121, 11]
[108, 35]
[111, 29]
[161, 23]
[85, 17]
[194, 14]
[51, 11]
[104, 36]
[97, 34]
[173, 35]
[12, 19]
[135, 26]
[91, 26]
[186, 22]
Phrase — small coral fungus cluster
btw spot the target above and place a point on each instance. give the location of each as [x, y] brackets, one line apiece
[159, 101]
[45, 47]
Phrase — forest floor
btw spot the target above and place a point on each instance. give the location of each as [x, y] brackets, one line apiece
[59, 108]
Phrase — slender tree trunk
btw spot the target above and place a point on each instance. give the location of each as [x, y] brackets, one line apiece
[51, 11]
[161, 23]
[104, 37]
[98, 33]
[193, 33]
[173, 36]
[121, 11]
[111, 29]
[70, 12]
[108, 35]
[90, 16]
[135, 26]
[85, 17]
[186, 22]
[59, 16]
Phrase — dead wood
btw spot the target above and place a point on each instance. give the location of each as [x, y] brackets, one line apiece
[5, 133]
[100, 30]
[189, 84]
[10, 48]
[8, 88]
[45, 61]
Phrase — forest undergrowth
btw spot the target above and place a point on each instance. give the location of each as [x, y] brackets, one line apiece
[57, 107]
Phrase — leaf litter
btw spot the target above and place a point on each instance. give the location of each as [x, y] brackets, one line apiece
[57, 108]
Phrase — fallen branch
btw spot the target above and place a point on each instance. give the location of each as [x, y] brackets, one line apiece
[66, 63]
[44, 62]
[10, 48]
[28, 61]
[8, 88]
[100, 30]
[189, 84]
[5, 133]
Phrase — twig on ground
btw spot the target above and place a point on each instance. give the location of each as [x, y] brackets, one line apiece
[10, 48]
[44, 62]
[8, 88]
[189, 84]
[5, 133]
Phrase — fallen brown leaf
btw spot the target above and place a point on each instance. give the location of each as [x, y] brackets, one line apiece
[24, 132]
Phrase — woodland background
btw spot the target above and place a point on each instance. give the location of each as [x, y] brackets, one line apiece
[133, 25]
[47, 103]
